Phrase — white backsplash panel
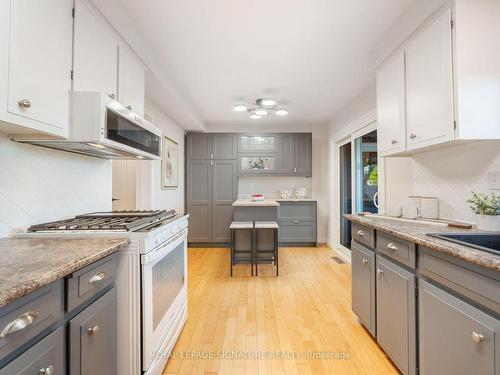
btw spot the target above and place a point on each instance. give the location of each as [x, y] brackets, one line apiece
[271, 186]
[40, 185]
[452, 173]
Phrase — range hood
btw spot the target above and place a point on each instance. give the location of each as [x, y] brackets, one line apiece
[101, 127]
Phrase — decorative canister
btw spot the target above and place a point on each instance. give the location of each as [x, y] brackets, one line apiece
[300, 192]
[286, 193]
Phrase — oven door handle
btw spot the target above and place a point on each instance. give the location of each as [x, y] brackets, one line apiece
[165, 248]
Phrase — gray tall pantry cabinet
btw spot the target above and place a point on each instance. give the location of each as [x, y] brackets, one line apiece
[211, 185]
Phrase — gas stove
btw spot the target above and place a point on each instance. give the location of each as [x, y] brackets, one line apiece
[114, 221]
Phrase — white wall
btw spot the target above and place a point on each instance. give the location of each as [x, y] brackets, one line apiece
[452, 173]
[172, 198]
[270, 186]
[39, 185]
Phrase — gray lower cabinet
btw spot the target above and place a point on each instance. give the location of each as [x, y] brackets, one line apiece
[92, 338]
[455, 337]
[396, 324]
[297, 221]
[224, 193]
[45, 357]
[363, 285]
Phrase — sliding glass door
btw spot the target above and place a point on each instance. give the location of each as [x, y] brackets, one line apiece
[358, 178]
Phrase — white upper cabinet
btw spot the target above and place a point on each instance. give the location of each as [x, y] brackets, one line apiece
[429, 85]
[391, 106]
[95, 53]
[35, 66]
[131, 80]
[451, 81]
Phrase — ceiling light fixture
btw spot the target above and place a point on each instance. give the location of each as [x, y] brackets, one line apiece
[261, 107]
[240, 108]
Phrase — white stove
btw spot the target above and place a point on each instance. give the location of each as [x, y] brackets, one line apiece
[151, 280]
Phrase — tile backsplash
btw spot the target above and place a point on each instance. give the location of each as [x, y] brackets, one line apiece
[39, 185]
[452, 173]
[271, 186]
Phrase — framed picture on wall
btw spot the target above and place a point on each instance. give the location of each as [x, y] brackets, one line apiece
[170, 164]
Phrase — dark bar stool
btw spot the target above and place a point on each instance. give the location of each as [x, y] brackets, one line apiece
[266, 251]
[239, 253]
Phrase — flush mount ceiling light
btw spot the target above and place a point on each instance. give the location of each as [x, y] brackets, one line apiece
[262, 107]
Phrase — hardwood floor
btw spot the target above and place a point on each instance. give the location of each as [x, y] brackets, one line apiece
[268, 324]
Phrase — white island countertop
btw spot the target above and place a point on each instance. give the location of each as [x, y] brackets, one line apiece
[246, 202]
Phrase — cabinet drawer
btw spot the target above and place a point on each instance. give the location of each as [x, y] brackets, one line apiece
[397, 249]
[363, 285]
[89, 281]
[297, 211]
[363, 235]
[297, 231]
[47, 355]
[37, 311]
[480, 285]
[472, 337]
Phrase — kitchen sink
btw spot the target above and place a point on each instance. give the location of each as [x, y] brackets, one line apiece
[489, 242]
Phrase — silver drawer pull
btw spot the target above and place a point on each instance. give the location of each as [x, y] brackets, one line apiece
[97, 278]
[24, 103]
[92, 331]
[364, 261]
[21, 322]
[46, 371]
[391, 246]
[379, 271]
[477, 337]
[360, 233]
[296, 221]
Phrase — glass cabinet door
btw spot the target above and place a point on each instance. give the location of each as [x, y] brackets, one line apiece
[249, 143]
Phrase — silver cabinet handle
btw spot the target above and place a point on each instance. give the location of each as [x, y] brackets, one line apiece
[24, 103]
[112, 96]
[391, 246]
[477, 337]
[97, 278]
[295, 170]
[92, 331]
[364, 261]
[394, 141]
[360, 233]
[46, 371]
[21, 322]
[296, 221]
[379, 271]
[413, 136]
[211, 156]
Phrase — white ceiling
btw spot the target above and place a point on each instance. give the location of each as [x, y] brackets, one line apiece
[313, 56]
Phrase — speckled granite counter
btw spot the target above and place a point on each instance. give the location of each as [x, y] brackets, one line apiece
[29, 264]
[417, 233]
[252, 203]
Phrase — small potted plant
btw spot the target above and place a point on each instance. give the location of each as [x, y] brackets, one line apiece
[487, 210]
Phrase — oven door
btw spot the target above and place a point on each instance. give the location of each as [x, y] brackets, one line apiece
[164, 294]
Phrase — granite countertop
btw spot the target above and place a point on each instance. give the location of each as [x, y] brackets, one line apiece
[417, 233]
[30, 264]
[252, 203]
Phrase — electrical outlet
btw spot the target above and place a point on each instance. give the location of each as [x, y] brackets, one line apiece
[494, 180]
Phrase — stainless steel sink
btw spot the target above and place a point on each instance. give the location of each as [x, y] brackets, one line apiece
[489, 242]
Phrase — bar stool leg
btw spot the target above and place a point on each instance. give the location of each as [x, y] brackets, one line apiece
[276, 250]
[256, 250]
[232, 252]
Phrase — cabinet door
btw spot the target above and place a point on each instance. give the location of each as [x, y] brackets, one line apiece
[429, 85]
[93, 338]
[391, 131]
[224, 146]
[40, 62]
[198, 146]
[287, 159]
[199, 200]
[363, 285]
[131, 81]
[46, 355]
[396, 314]
[456, 338]
[95, 53]
[255, 143]
[303, 154]
[224, 193]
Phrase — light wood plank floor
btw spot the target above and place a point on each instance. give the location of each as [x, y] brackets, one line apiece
[279, 320]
